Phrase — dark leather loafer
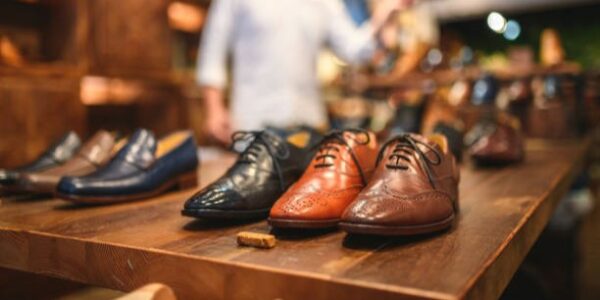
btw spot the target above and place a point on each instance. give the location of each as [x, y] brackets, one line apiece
[96, 152]
[264, 170]
[496, 142]
[56, 155]
[144, 168]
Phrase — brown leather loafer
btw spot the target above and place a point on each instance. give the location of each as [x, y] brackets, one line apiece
[94, 153]
[414, 189]
[339, 171]
[500, 142]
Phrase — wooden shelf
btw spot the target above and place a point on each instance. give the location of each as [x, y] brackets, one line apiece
[503, 211]
[43, 70]
[448, 76]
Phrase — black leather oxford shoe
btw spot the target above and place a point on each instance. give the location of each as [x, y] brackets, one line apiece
[56, 155]
[271, 162]
[143, 168]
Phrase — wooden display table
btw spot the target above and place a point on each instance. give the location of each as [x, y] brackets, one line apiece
[126, 246]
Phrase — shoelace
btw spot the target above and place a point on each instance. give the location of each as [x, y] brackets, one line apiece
[407, 145]
[257, 138]
[337, 137]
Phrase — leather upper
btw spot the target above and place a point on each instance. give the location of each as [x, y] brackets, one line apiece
[136, 168]
[496, 142]
[333, 178]
[94, 153]
[57, 154]
[401, 193]
[264, 170]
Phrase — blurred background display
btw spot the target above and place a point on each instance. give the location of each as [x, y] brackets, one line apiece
[87, 65]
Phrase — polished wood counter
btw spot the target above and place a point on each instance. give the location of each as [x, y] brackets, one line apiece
[125, 246]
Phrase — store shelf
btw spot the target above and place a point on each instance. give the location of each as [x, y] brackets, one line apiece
[451, 10]
[448, 76]
[503, 211]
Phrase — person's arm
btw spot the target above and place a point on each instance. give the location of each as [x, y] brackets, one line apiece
[212, 69]
[423, 36]
[353, 44]
[406, 63]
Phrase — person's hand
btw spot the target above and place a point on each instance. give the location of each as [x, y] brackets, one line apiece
[384, 10]
[218, 125]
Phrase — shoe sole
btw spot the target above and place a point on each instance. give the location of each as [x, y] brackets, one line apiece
[36, 188]
[182, 182]
[226, 214]
[488, 162]
[303, 224]
[397, 230]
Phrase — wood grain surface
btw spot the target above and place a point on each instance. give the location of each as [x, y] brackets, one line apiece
[503, 210]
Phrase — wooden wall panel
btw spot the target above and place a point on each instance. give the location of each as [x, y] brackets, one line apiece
[129, 37]
[35, 112]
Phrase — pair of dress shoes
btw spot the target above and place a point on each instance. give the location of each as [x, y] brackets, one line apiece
[56, 155]
[407, 187]
[270, 162]
[91, 156]
[104, 171]
[143, 167]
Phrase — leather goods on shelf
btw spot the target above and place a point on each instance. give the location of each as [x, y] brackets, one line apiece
[143, 168]
[414, 189]
[271, 162]
[341, 168]
[92, 155]
[496, 140]
[56, 155]
[551, 113]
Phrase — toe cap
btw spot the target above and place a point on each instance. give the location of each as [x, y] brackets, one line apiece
[214, 198]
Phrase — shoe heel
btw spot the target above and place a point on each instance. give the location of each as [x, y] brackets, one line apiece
[187, 180]
[456, 205]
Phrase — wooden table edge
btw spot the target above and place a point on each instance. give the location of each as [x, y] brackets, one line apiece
[557, 190]
[404, 291]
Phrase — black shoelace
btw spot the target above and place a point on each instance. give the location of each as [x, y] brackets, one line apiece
[407, 145]
[277, 150]
[332, 141]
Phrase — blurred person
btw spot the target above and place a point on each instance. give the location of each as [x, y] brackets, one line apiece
[274, 47]
[407, 40]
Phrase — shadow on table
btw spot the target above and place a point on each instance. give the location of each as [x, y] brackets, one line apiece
[376, 242]
[301, 234]
[23, 197]
[205, 224]
[77, 206]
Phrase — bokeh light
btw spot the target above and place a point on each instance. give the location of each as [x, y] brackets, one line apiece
[512, 31]
[496, 22]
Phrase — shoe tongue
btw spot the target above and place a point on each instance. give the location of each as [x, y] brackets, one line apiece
[140, 149]
[419, 139]
[268, 140]
[97, 147]
[274, 138]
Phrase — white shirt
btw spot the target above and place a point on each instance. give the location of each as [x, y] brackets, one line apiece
[274, 46]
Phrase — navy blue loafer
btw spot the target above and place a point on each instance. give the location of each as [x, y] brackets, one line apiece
[143, 168]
